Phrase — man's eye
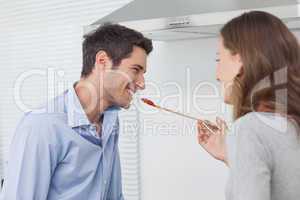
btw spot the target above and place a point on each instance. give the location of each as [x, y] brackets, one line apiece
[217, 60]
[136, 69]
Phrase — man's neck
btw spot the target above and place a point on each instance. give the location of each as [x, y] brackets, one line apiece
[90, 99]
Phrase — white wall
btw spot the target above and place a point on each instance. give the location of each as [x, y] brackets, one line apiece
[174, 166]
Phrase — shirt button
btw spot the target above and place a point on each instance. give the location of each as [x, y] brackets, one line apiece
[105, 182]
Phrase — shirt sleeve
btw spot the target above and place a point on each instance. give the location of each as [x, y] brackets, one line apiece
[249, 162]
[31, 161]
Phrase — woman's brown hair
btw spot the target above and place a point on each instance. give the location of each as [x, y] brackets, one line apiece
[270, 53]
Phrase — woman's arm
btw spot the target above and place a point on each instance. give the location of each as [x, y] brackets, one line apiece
[243, 150]
[250, 164]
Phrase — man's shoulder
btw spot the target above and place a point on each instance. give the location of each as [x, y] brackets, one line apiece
[42, 125]
[45, 118]
[51, 113]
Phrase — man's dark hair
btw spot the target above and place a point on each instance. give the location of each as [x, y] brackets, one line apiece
[116, 40]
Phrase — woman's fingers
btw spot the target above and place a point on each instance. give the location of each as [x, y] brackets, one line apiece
[211, 137]
[211, 126]
[201, 126]
[202, 139]
[221, 124]
[202, 133]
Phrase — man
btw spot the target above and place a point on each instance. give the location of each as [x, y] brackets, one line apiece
[70, 152]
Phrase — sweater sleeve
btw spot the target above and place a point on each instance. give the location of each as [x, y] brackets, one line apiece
[249, 163]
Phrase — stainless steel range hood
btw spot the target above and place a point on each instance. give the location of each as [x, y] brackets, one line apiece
[190, 19]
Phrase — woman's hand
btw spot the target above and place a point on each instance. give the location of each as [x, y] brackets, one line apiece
[212, 138]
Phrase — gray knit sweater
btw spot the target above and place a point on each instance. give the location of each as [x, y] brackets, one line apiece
[263, 152]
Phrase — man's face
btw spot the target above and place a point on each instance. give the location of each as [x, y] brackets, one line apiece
[124, 80]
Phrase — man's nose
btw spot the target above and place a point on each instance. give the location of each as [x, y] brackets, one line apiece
[140, 83]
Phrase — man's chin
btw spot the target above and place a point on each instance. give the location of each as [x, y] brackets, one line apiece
[125, 105]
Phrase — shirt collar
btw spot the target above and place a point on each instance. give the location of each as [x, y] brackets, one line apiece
[75, 112]
[76, 115]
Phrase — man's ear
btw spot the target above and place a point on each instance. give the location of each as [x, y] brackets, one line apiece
[103, 61]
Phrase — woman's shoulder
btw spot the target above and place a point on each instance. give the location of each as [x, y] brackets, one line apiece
[249, 136]
[265, 123]
[264, 132]
[251, 127]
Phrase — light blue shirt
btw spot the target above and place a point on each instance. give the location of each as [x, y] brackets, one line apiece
[56, 154]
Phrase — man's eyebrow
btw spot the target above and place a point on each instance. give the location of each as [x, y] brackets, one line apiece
[140, 67]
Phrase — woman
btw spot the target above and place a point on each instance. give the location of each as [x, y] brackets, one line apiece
[259, 65]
